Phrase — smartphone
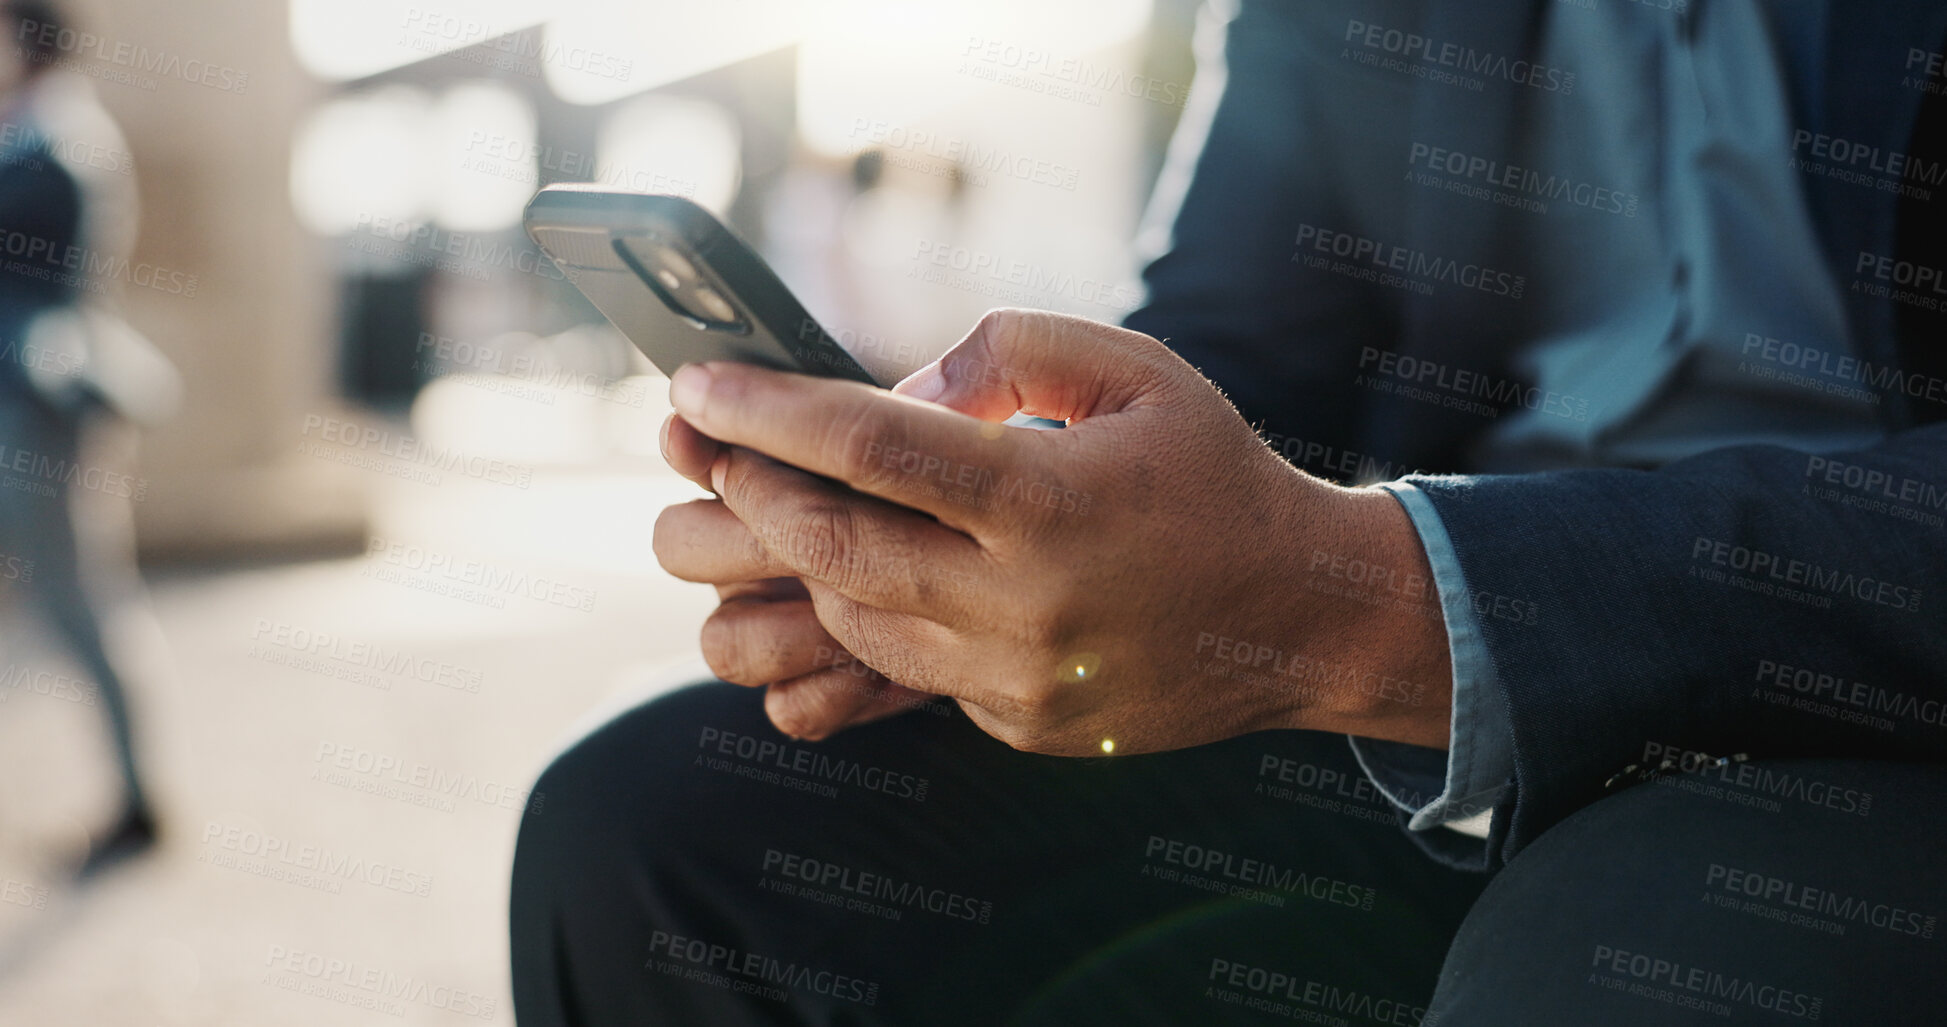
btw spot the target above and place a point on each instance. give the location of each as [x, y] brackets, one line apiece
[682, 287]
[678, 283]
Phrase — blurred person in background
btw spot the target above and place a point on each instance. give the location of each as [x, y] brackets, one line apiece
[67, 203]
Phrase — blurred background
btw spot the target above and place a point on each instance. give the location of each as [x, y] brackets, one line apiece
[394, 538]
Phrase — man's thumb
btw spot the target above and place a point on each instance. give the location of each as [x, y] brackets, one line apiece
[1046, 364]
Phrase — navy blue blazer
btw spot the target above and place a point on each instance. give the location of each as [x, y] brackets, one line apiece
[1631, 654]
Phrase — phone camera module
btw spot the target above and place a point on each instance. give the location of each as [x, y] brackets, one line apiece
[676, 281]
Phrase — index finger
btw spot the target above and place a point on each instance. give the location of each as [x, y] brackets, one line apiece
[900, 449]
[687, 451]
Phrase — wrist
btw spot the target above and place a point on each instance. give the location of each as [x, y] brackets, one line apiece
[1366, 610]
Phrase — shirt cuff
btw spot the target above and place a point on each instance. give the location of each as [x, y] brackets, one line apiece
[1480, 747]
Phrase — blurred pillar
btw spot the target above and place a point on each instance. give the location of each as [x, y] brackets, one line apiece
[255, 342]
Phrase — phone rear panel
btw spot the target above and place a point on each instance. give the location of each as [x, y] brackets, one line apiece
[598, 238]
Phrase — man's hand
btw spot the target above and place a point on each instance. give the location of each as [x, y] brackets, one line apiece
[764, 632]
[1151, 577]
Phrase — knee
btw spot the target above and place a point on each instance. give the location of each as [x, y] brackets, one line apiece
[616, 794]
[1771, 852]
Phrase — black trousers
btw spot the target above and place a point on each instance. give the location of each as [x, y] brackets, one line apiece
[687, 864]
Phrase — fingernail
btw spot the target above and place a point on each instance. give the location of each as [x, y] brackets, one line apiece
[688, 389]
[719, 469]
[927, 383]
[662, 436]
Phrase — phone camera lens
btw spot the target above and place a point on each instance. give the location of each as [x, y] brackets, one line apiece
[672, 268]
[714, 304]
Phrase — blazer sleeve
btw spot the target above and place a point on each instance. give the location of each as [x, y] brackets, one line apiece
[1752, 599]
[1258, 153]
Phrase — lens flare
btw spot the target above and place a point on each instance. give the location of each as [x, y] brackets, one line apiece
[1079, 668]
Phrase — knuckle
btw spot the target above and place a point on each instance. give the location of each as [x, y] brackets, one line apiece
[822, 539]
[1037, 527]
[1025, 720]
[851, 440]
[1029, 737]
[851, 627]
[1001, 323]
[1036, 708]
[991, 337]
[754, 554]
[1039, 626]
[864, 634]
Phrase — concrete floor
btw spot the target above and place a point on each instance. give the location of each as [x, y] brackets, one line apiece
[339, 816]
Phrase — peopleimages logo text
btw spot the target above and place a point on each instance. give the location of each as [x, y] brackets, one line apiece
[1831, 580]
[1453, 56]
[1314, 242]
